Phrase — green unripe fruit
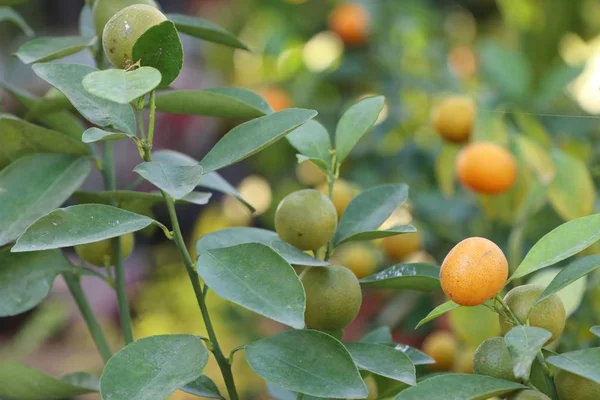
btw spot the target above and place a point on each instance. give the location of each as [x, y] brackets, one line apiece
[549, 314]
[333, 297]
[529, 395]
[124, 29]
[574, 387]
[493, 359]
[104, 10]
[306, 219]
[101, 253]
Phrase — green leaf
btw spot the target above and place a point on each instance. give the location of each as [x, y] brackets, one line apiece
[554, 84]
[19, 138]
[80, 224]
[308, 362]
[18, 381]
[211, 180]
[367, 211]
[86, 21]
[570, 274]
[562, 242]
[203, 387]
[33, 186]
[532, 127]
[584, 363]
[51, 48]
[26, 279]
[132, 200]
[506, 70]
[571, 192]
[82, 379]
[256, 277]
[122, 86]
[438, 311]
[68, 77]
[153, 368]
[8, 14]
[383, 334]
[414, 276]
[378, 234]
[312, 140]
[459, 386]
[416, 356]
[160, 47]
[93, 135]
[203, 29]
[524, 342]
[217, 102]
[355, 122]
[12, 2]
[595, 330]
[253, 136]
[177, 180]
[535, 155]
[384, 361]
[571, 296]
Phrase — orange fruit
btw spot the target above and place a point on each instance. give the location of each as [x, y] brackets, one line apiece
[453, 118]
[343, 193]
[350, 21]
[473, 272]
[441, 346]
[463, 61]
[398, 247]
[359, 258]
[277, 98]
[486, 168]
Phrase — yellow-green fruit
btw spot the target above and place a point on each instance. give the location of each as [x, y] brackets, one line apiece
[104, 10]
[549, 314]
[529, 395]
[306, 219]
[493, 359]
[333, 297]
[125, 28]
[475, 324]
[101, 253]
[442, 347]
[359, 258]
[574, 387]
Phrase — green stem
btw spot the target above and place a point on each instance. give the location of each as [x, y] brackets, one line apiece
[140, 116]
[74, 285]
[110, 183]
[331, 177]
[152, 119]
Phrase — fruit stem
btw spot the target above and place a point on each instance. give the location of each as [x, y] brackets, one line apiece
[512, 316]
[139, 106]
[152, 118]
[332, 175]
[74, 284]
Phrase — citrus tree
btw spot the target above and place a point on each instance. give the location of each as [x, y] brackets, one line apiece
[89, 110]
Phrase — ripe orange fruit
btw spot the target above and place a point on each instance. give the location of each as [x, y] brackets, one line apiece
[453, 118]
[350, 21]
[486, 168]
[473, 271]
[398, 247]
[441, 346]
[277, 98]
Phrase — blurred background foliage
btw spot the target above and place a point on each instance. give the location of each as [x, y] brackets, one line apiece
[531, 66]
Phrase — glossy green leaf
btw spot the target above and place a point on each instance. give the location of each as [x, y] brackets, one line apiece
[367, 211]
[554, 84]
[536, 156]
[571, 192]
[444, 168]
[80, 224]
[153, 368]
[505, 69]
[562, 242]
[459, 386]
[131, 200]
[68, 77]
[34, 185]
[278, 393]
[438, 311]
[524, 343]
[177, 180]
[19, 138]
[383, 334]
[241, 235]
[256, 277]
[415, 276]
[312, 140]
[122, 86]
[570, 274]
[571, 295]
[53, 100]
[595, 330]
[416, 356]
[82, 379]
[8, 14]
[51, 48]
[160, 47]
[384, 361]
[26, 279]
[378, 234]
[203, 387]
[216, 102]
[206, 30]
[584, 363]
[309, 362]
[253, 136]
[355, 122]
[21, 382]
[93, 135]
[211, 180]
